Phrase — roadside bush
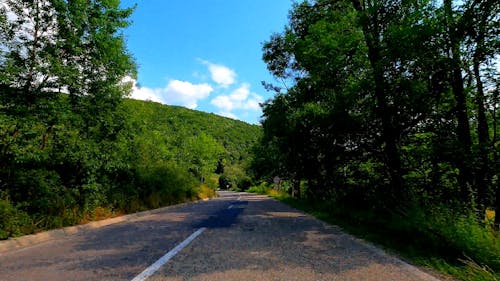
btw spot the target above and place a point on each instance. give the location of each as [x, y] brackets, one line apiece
[244, 183]
[259, 189]
[164, 184]
[466, 235]
[13, 222]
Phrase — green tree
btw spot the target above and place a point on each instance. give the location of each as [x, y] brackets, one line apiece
[378, 104]
[479, 25]
[61, 67]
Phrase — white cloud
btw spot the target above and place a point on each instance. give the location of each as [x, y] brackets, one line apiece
[220, 74]
[253, 103]
[141, 93]
[148, 94]
[175, 93]
[223, 102]
[186, 93]
[241, 94]
[239, 99]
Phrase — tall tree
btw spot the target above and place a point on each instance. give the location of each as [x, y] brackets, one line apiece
[480, 24]
[371, 19]
[457, 84]
[395, 71]
[52, 51]
[29, 54]
[74, 47]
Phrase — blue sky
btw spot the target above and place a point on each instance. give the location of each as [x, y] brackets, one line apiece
[204, 54]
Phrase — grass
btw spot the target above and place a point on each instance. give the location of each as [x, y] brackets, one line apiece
[16, 223]
[456, 246]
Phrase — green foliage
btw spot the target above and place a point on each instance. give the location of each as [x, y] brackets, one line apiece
[57, 175]
[165, 184]
[262, 188]
[372, 110]
[193, 139]
[441, 238]
[13, 222]
[225, 183]
[388, 107]
[70, 145]
[466, 235]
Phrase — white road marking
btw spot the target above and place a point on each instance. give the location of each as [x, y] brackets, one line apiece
[163, 260]
[230, 206]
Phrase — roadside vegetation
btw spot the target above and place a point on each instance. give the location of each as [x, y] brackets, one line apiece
[451, 244]
[72, 147]
[161, 155]
[387, 123]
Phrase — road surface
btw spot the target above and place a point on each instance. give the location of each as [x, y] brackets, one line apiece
[237, 236]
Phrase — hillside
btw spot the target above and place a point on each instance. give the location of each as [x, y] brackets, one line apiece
[193, 139]
[61, 165]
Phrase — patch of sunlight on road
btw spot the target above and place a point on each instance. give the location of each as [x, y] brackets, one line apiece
[316, 239]
[173, 217]
[284, 214]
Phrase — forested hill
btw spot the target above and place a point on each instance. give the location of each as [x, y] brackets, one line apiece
[201, 142]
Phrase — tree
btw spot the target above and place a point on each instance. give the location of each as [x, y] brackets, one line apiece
[380, 100]
[479, 25]
[61, 69]
[461, 111]
[334, 50]
[53, 46]
[220, 167]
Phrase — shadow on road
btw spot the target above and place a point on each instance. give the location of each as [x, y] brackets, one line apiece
[249, 238]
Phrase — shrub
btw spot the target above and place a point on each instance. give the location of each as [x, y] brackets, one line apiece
[206, 191]
[262, 188]
[466, 235]
[165, 183]
[13, 222]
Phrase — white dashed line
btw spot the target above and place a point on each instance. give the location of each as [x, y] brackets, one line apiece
[163, 260]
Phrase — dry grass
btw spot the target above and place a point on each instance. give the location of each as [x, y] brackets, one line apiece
[100, 213]
[273, 192]
[206, 192]
[489, 215]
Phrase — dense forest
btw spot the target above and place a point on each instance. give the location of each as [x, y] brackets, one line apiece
[391, 107]
[72, 148]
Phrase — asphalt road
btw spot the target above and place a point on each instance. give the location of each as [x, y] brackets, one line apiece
[240, 237]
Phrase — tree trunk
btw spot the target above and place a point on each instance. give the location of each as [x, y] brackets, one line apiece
[296, 188]
[483, 177]
[389, 132]
[463, 127]
[497, 206]
[483, 138]
[496, 160]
